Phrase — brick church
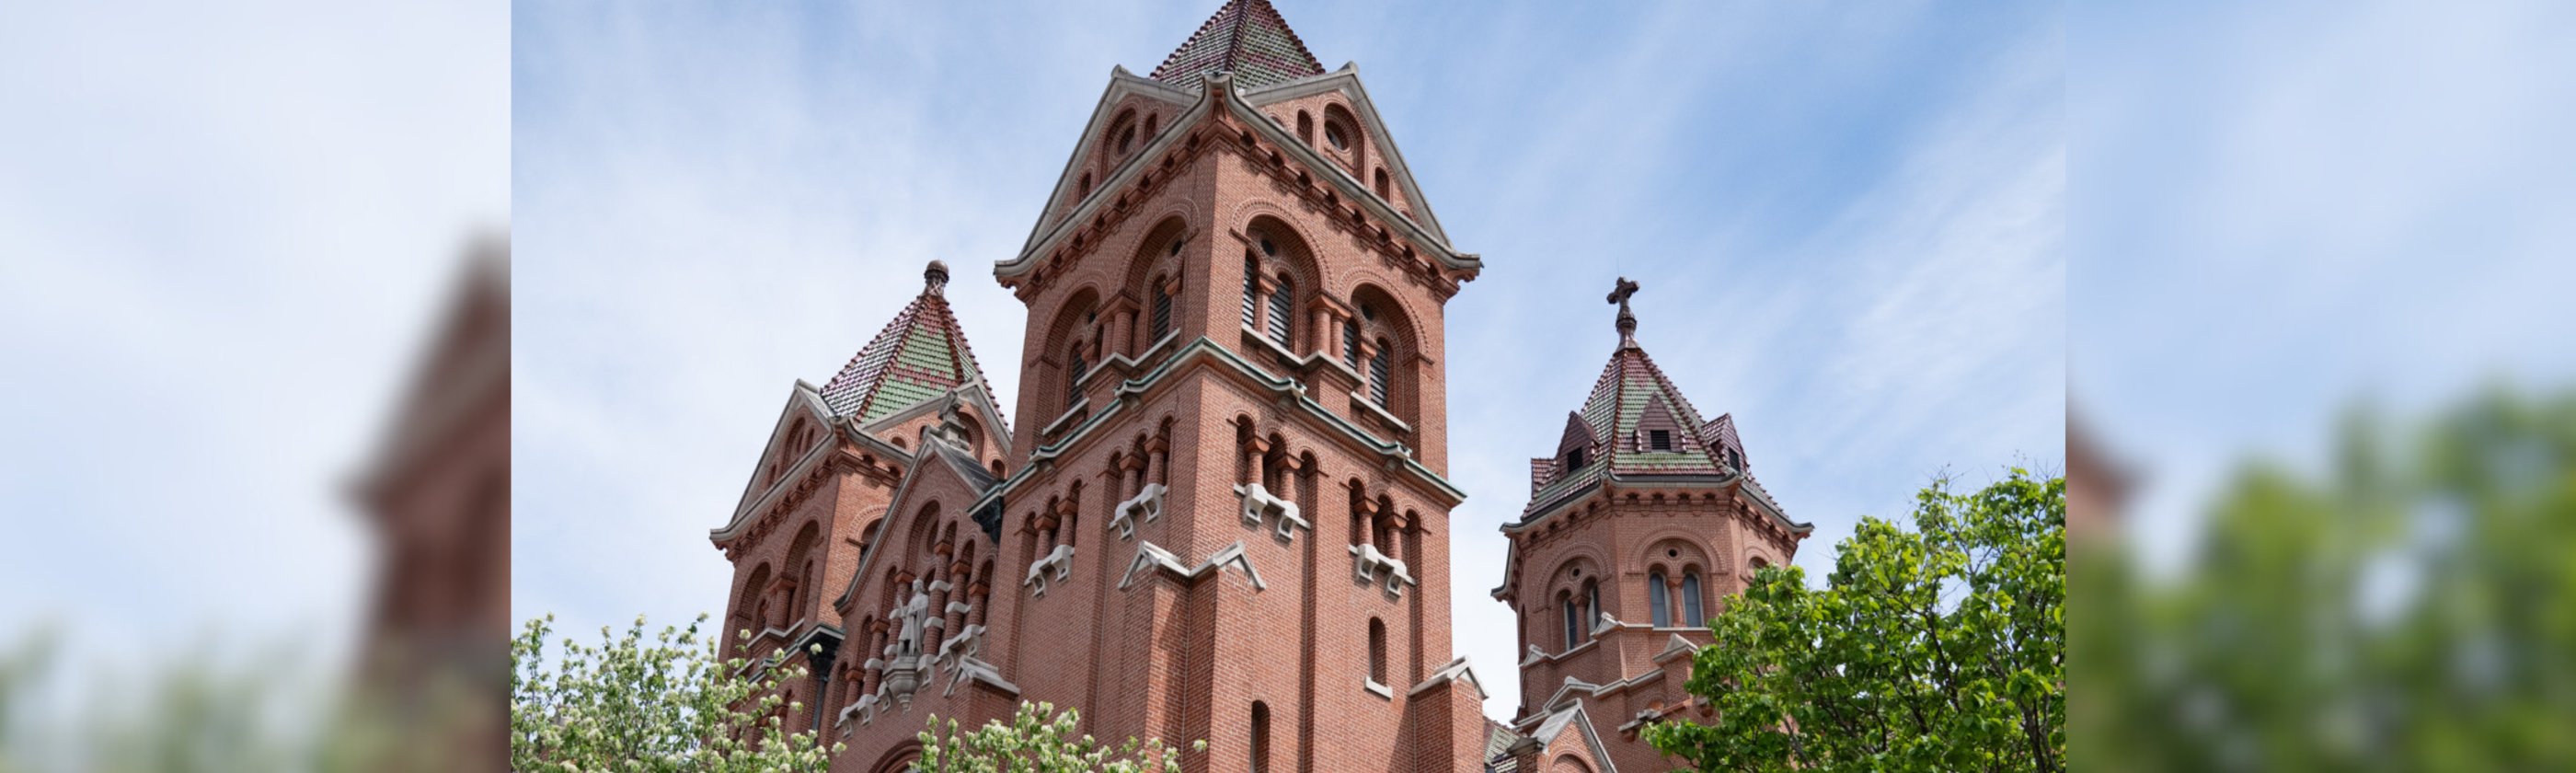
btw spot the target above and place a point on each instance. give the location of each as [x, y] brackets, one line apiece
[1220, 508]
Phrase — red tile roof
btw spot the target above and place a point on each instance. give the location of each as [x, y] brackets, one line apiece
[1246, 38]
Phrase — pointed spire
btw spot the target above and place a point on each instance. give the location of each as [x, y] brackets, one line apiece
[1246, 38]
[918, 357]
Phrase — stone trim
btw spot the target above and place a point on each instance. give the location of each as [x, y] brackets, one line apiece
[1150, 556]
[1060, 560]
[1367, 563]
[1259, 503]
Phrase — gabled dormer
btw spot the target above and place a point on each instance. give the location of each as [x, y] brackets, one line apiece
[1576, 449]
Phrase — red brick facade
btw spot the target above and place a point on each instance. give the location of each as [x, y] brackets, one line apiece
[1221, 512]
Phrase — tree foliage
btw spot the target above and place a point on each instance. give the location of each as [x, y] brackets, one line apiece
[2409, 606]
[1942, 648]
[667, 704]
[1039, 740]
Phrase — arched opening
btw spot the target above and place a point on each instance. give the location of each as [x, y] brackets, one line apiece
[1278, 274]
[1122, 134]
[1306, 128]
[1068, 351]
[1342, 134]
[1384, 191]
[1154, 276]
[747, 610]
[1386, 352]
[801, 566]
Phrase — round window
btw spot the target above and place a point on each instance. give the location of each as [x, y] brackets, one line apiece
[1333, 133]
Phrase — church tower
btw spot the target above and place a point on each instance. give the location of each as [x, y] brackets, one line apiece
[819, 490]
[1223, 515]
[1638, 526]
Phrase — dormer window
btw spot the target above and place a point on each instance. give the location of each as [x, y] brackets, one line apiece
[1573, 460]
[1659, 440]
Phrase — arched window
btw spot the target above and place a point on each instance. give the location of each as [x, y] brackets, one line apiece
[1659, 599]
[1573, 621]
[1085, 191]
[1383, 190]
[1691, 614]
[1377, 651]
[1260, 737]
[1149, 124]
[1305, 127]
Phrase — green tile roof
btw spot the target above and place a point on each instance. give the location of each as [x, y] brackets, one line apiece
[917, 357]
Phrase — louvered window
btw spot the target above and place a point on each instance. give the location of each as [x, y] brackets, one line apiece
[1379, 367]
[1162, 312]
[1279, 315]
[1073, 380]
[1251, 291]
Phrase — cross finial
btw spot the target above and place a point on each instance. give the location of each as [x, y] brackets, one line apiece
[1627, 322]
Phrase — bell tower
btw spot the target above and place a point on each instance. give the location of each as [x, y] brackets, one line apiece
[1638, 525]
[1232, 474]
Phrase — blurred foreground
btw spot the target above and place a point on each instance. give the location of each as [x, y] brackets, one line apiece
[427, 688]
[2413, 608]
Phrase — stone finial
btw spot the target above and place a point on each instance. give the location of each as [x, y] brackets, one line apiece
[1627, 321]
[935, 278]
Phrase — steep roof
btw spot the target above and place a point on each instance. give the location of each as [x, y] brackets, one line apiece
[1629, 403]
[918, 357]
[1247, 38]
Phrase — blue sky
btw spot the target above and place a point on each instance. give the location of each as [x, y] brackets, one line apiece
[1848, 224]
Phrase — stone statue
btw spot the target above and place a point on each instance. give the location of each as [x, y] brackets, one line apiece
[910, 614]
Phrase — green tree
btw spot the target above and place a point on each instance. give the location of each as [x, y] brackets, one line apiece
[2409, 606]
[1942, 648]
[664, 705]
[1039, 740]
